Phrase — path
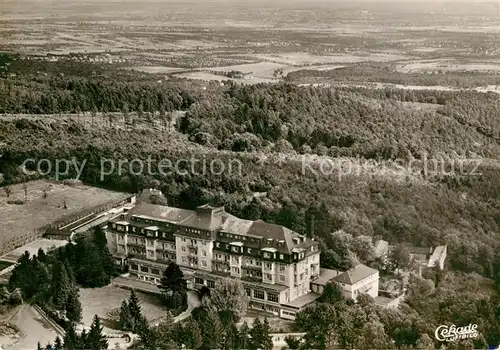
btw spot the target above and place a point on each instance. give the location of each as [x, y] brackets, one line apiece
[34, 327]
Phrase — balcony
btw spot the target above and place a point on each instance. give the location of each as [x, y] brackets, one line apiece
[267, 268]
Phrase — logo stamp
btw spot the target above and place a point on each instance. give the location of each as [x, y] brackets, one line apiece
[451, 333]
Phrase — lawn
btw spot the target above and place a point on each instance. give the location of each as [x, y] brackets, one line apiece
[100, 301]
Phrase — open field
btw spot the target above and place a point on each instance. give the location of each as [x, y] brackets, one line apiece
[32, 211]
[164, 37]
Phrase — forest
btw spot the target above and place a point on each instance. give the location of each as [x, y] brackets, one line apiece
[240, 122]
[372, 72]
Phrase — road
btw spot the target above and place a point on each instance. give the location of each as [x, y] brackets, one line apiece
[34, 328]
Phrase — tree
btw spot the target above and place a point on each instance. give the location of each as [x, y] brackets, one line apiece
[95, 338]
[125, 317]
[58, 344]
[191, 335]
[400, 257]
[243, 336]
[173, 279]
[212, 331]
[131, 317]
[60, 285]
[331, 294]
[373, 336]
[174, 287]
[70, 339]
[73, 306]
[25, 189]
[8, 191]
[134, 306]
[228, 295]
[266, 339]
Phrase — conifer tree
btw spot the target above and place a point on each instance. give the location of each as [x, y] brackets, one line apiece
[243, 337]
[95, 338]
[58, 344]
[73, 306]
[125, 317]
[266, 339]
[60, 285]
[70, 339]
[135, 311]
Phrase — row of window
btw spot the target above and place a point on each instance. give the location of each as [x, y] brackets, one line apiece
[259, 294]
[193, 261]
[210, 283]
[146, 269]
[203, 252]
[237, 249]
[193, 241]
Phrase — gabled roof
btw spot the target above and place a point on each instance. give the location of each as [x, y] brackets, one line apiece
[356, 274]
[160, 212]
[420, 250]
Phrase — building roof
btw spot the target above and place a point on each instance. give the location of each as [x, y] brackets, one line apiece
[356, 274]
[160, 212]
[274, 237]
[420, 250]
[325, 276]
[381, 247]
[438, 254]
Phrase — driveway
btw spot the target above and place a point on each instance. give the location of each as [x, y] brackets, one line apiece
[34, 329]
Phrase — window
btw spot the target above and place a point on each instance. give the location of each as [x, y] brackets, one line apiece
[183, 249]
[282, 256]
[268, 265]
[144, 269]
[133, 267]
[268, 276]
[249, 292]
[282, 278]
[217, 245]
[198, 280]
[272, 297]
[258, 294]
[235, 259]
[236, 270]
[203, 263]
[204, 253]
[210, 284]
[204, 243]
[266, 255]
[184, 259]
[282, 268]
[155, 271]
[259, 263]
[235, 249]
[249, 250]
[183, 239]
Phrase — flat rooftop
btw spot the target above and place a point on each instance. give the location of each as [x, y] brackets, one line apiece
[46, 244]
[303, 300]
[21, 219]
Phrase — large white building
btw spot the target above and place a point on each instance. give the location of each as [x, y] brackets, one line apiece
[275, 264]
